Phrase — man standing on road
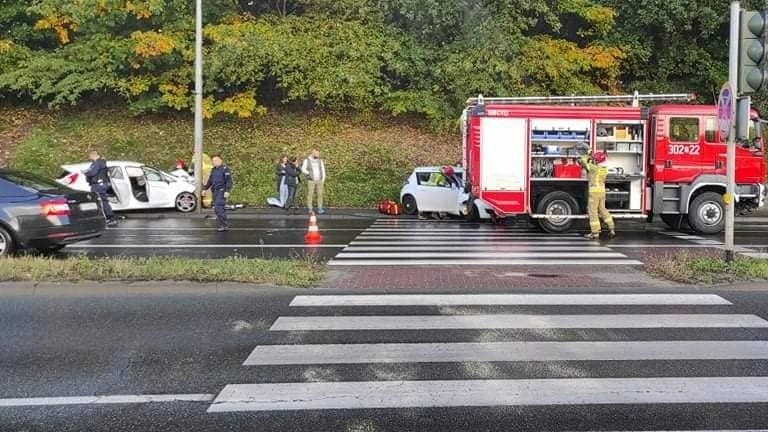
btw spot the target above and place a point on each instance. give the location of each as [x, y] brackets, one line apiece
[220, 182]
[314, 168]
[597, 174]
[98, 178]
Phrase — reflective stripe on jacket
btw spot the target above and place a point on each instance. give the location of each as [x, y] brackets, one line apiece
[595, 173]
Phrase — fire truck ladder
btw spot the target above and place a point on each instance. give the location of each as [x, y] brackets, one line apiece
[634, 99]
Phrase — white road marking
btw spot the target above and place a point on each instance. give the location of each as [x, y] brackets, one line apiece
[201, 246]
[458, 393]
[107, 399]
[505, 352]
[276, 229]
[515, 321]
[488, 254]
[481, 262]
[456, 238]
[508, 300]
[510, 247]
[499, 242]
[756, 255]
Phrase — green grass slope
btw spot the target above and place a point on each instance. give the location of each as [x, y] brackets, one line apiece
[367, 157]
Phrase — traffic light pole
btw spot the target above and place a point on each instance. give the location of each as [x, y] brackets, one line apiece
[198, 156]
[733, 72]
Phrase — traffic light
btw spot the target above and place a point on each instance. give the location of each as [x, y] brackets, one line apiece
[753, 51]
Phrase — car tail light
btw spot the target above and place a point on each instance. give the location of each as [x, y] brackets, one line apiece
[56, 207]
[72, 178]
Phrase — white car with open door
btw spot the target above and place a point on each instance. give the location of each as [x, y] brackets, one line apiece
[427, 190]
[136, 186]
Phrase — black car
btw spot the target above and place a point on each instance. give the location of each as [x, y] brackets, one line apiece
[36, 213]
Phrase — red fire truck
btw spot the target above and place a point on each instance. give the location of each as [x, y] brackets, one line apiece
[667, 160]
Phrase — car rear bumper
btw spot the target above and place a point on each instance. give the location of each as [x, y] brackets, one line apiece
[64, 235]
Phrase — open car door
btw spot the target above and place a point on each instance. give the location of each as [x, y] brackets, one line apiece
[121, 187]
[158, 188]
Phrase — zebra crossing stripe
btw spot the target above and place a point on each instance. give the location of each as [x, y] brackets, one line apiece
[515, 321]
[413, 243]
[455, 238]
[485, 254]
[507, 300]
[499, 242]
[505, 352]
[511, 247]
[475, 393]
[481, 262]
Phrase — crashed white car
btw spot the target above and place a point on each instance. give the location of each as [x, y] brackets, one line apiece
[427, 190]
[136, 186]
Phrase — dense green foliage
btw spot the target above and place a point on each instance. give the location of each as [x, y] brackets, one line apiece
[368, 157]
[420, 57]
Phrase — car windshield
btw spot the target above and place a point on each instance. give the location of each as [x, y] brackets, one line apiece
[31, 182]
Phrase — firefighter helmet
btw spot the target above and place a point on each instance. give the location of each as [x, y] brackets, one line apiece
[447, 171]
[599, 157]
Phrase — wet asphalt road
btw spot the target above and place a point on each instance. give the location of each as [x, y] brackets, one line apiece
[189, 340]
[197, 238]
[282, 237]
[193, 340]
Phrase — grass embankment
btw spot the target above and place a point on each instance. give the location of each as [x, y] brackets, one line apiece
[294, 273]
[368, 157]
[691, 268]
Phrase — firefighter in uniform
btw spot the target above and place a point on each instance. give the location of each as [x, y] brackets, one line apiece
[98, 178]
[220, 182]
[592, 164]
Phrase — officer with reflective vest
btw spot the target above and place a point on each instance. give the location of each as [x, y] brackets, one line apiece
[220, 182]
[97, 176]
[597, 173]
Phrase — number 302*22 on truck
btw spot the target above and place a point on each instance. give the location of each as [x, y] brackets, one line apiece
[665, 160]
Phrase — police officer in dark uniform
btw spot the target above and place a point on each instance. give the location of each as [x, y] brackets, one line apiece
[98, 177]
[220, 182]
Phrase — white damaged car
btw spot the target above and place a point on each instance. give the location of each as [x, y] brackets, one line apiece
[136, 186]
[428, 190]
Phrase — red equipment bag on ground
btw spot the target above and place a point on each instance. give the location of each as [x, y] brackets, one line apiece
[394, 209]
[384, 206]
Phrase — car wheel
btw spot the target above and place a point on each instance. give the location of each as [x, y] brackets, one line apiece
[7, 244]
[473, 213]
[409, 205]
[556, 204]
[675, 221]
[707, 213]
[186, 202]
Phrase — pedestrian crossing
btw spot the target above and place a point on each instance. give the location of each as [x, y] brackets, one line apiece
[393, 242]
[369, 332]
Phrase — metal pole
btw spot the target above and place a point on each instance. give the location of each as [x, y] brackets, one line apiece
[198, 157]
[733, 70]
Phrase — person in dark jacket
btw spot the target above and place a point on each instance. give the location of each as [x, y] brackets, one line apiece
[291, 181]
[220, 182]
[97, 176]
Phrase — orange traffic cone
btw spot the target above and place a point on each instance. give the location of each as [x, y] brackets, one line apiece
[313, 232]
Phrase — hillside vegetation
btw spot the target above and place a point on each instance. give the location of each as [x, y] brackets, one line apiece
[368, 158]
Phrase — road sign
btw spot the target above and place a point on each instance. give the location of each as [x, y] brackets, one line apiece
[726, 110]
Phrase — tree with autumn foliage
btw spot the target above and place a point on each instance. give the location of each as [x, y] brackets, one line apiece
[415, 57]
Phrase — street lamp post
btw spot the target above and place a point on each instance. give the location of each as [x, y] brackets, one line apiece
[198, 158]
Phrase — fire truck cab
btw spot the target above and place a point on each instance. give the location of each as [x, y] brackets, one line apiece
[668, 160]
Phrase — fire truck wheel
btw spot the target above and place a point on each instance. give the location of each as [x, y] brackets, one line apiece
[707, 213]
[556, 204]
[409, 205]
